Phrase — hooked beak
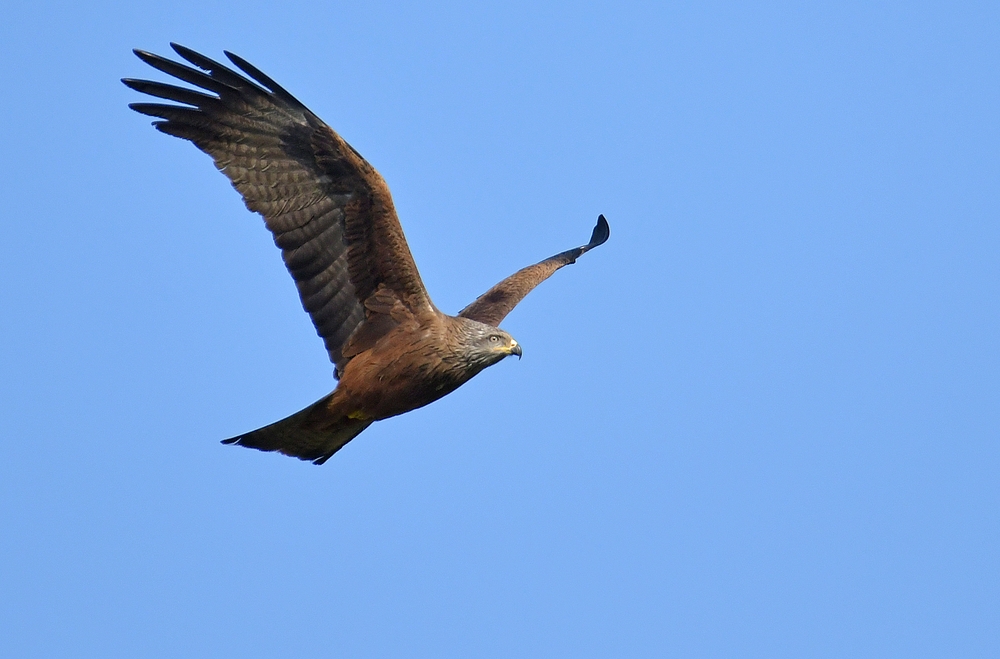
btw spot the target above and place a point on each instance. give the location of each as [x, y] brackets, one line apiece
[515, 348]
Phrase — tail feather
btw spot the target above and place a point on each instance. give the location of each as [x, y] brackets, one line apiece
[301, 436]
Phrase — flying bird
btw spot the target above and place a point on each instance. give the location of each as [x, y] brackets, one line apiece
[332, 216]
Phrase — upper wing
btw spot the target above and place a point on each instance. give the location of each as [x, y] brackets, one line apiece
[492, 306]
[329, 211]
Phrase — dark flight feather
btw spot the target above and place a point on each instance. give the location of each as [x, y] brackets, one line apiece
[328, 210]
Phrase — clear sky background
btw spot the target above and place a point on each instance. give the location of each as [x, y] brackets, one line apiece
[762, 421]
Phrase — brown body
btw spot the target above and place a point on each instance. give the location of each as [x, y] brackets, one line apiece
[332, 216]
[413, 365]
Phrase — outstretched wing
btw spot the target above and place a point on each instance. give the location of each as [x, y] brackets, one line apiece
[329, 211]
[493, 306]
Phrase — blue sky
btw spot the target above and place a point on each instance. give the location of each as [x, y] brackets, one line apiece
[761, 421]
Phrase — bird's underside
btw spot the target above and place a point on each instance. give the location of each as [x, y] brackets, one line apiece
[332, 216]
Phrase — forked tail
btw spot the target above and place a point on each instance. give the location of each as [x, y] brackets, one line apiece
[301, 436]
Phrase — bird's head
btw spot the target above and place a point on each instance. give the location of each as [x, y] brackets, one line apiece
[485, 345]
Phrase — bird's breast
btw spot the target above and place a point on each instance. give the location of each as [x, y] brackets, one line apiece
[404, 371]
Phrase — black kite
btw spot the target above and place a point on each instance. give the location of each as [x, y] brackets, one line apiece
[332, 216]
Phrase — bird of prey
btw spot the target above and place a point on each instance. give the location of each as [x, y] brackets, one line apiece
[332, 216]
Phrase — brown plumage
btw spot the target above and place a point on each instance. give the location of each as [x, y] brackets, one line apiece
[332, 216]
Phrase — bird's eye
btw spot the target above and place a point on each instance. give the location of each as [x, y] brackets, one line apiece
[495, 338]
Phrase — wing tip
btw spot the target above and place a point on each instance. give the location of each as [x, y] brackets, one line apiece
[145, 55]
[190, 55]
[601, 233]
